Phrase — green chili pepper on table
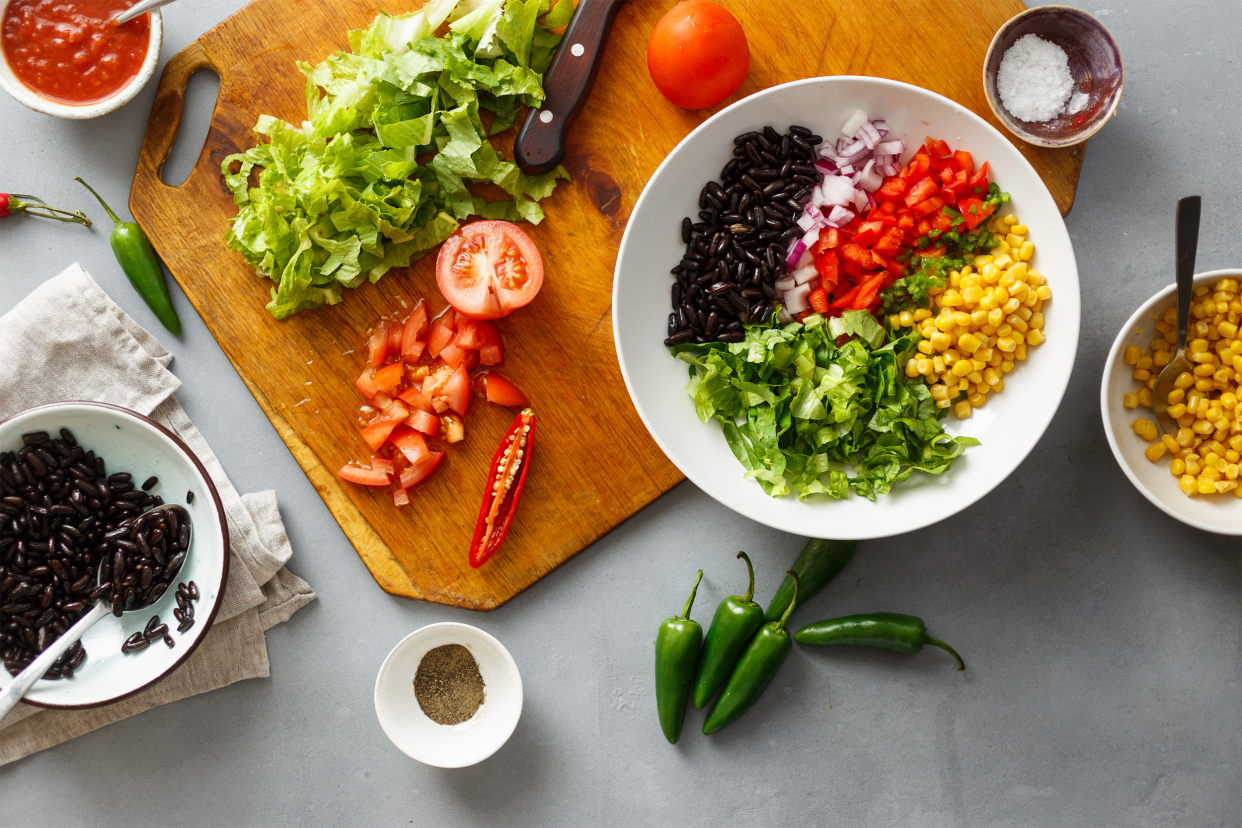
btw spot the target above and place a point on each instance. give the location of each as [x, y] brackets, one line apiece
[820, 562]
[890, 631]
[735, 623]
[755, 670]
[677, 651]
[137, 259]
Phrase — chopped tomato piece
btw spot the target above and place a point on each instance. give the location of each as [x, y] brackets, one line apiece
[377, 343]
[421, 470]
[409, 442]
[457, 390]
[381, 400]
[491, 354]
[415, 327]
[366, 383]
[452, 429]
[453, 355]
[388, 378]
[416, 399]
[395, 332]
[922, 190]
[503, 392]
[818, 300]
[381, 464]
[441, 332]
[400, 497]
[396, 412]
[424, 421]
[377, 433]
[364, 476]
[475, 334]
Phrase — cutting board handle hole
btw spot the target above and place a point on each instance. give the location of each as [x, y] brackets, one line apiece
[200, 101]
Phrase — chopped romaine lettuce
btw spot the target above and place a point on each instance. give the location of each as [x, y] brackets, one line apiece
[350, 194]
[800, 412]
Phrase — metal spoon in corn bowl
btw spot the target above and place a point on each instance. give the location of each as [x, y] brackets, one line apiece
[113, 596]
[1187, 245]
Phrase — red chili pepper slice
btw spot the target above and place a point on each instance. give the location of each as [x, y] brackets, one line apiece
[504, 488]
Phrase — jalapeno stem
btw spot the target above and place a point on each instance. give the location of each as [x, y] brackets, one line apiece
[103, 203]
[930, 640]
[750, 587]
[690, 602]
[780, 625]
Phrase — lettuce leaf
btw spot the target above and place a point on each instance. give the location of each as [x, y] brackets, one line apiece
[351, 193]
[800, 413]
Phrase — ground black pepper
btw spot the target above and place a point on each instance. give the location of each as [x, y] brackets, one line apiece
[448, 685]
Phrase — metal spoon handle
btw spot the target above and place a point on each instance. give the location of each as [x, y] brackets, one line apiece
[24, 680]
[1187, 246]
[138, 9]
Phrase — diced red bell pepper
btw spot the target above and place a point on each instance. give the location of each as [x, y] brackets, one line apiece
[377, 433]
[409, 442]
[818, 300]
[889, 243]
[937, 148]
[855, 253]
[922, 190]
[388, 378]
[974, 211]
[893, 187]
[829, 238]
[854, 269]
[932, 251]
[918, 167]
[845, 300]
[421, 470]
[868, 291]
[895, 269]
[869, 233]
[941, 222]
[364, 476]
[890, 206]
[442, 329]
[905, 220]
[827, 266]
[963, 161]
[425, 421]
[929, 206]
[923, 228]
[977, 184]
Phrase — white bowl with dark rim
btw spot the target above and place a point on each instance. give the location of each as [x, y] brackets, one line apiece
[132, 443]
[1009, 424]
[448, 746]
[28, 97]
[1219, 513]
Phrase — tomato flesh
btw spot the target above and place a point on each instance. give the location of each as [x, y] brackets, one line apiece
[421, 470]
[364, 477]
[488, 269]
[502, 392]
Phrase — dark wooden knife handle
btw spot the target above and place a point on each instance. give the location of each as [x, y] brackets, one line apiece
[540, 143]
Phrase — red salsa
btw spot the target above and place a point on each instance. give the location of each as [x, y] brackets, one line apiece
[70, 51]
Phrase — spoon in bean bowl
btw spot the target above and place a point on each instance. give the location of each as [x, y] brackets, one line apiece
[1187, 242]
[143, 557]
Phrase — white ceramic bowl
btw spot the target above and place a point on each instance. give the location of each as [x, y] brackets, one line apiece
[26, 96]
[133, 443]
[1009, 425]
[1217, 513]
[448, 746]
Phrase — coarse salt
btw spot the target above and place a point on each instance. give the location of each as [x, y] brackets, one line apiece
[1034, 80]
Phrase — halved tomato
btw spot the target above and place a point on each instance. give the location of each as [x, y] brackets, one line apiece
[503, 392]
[488, 269]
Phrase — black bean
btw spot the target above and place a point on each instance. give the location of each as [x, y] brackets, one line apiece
[156, 632]
[185, 625]
[149, 482]
[33, 438]
[736, 336]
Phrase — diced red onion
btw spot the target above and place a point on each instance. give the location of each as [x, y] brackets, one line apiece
[840, 215]
[785, 284]
[868, 134]
[783, 316]
[846, 169]
[795, 299]
[811, 236]
[795, 253]
[888, 169]
[837, 189]
[870, 179]
[852, 123]
[860, 200]
[893, 147]
[806, 221]
[826, 167]
[881, 127]
[805, 274]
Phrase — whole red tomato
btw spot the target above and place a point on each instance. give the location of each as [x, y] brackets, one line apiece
[698, 55]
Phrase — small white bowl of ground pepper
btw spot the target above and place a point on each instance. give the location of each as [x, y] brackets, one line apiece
[448, 695]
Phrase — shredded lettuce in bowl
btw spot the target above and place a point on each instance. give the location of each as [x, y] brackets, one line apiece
[797, 409]
[376, 176]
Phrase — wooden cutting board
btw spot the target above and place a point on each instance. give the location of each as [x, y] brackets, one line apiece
[593, 464]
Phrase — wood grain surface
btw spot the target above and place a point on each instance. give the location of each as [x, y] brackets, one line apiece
[594, 464]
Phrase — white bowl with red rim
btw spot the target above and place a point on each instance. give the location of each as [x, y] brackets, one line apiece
[32, 99]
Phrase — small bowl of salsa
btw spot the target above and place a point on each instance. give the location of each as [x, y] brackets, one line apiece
[67, 58]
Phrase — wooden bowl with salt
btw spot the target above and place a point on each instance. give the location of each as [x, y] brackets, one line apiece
[1094, 64]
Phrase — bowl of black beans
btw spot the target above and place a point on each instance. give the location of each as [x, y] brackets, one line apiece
[101, 504]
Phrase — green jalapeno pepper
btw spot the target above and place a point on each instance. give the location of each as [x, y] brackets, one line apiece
[735, 623]
[677, 651]
[890, 631]
[755, 670]
[137, 259]
[820, 562]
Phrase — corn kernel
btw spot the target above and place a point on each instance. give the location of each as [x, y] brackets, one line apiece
[1155, 451]
[1206, 487]
[1170, 442]
[925, 346]
[1145, 397]
[962, 410]
[1189, 485]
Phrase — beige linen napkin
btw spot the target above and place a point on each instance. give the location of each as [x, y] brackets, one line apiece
[68, 341]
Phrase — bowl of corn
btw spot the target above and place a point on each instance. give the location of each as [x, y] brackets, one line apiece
[1194, 475]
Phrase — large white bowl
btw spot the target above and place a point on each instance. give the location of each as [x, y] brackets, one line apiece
[26, 96]
[448, 746]
[131, 442]
[1217, 513]
[1009, 425]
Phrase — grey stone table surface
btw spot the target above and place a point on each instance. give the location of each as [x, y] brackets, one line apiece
[1104, 639]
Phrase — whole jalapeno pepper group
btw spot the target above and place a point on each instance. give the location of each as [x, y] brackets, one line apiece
[742, 654]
